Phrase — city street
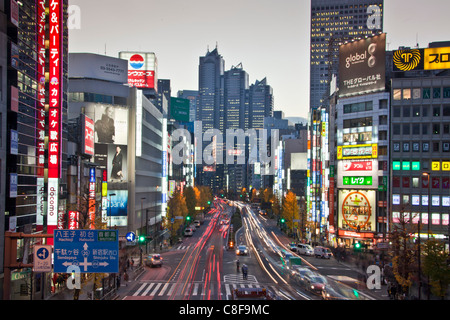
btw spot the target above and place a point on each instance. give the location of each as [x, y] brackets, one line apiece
[202, 268]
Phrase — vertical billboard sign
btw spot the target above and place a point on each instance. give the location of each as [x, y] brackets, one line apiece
[362, 66]
[111, 155]
[40, 134]
[54, 114]
[92, 198]
[87, 137]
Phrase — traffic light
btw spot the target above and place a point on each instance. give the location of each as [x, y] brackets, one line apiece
[282, 220]
[188, 218]
[357, 246]
[142, 238]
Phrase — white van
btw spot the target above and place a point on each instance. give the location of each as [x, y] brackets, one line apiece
[305, 249]
[188, 232]
[322, 252]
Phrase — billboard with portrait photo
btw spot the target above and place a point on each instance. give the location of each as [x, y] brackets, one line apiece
[111, 124]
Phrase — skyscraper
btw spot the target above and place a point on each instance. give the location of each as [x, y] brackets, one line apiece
[260, 103]
[210, 104]
[332, 23]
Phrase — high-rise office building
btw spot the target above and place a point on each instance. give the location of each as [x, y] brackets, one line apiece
[210, 103]
[260, 103]
[35, 120]
[332, 23]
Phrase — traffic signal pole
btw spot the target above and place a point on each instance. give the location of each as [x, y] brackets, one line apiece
[11, 257]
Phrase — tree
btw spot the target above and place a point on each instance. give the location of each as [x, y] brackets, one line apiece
[177, 208]
[290, 210]
[404, 254]
[191, 201]
[435, 266]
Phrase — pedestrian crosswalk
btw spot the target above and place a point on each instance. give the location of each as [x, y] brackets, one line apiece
[181, 247]
[195, 289]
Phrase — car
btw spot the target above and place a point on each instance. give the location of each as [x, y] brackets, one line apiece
[292, 247]
[305, 249]
[286, 254]
[328, 293]
[188, 232]
[242, 250]
[154, 260]
[322, 252]
[192, 226]
[301, 274]
[197, 223]
[316, 284]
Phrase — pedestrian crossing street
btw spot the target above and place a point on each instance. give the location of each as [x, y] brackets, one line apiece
[166, 289]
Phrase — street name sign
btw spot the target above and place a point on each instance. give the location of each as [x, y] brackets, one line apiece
[93, 251]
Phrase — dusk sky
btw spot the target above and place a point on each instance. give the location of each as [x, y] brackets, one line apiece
[269, 37]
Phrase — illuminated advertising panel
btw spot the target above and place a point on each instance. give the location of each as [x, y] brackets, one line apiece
[117, 207]
[87, 137]
[357, 173]
[362, 151]
[421, 59]
[357, 210]
[362, 66]
[55, 28]
[142, 69]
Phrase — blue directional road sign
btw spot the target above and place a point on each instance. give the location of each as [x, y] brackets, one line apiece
[93, 251]
[131, 237]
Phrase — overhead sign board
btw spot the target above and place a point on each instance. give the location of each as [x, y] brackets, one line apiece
[362, 151]
[93, 251]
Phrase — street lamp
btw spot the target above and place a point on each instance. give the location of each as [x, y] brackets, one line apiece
[110, 211]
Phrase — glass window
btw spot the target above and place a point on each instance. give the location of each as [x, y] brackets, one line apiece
[397, 112]
[397, 94]
[406, 128]
[446, 92]
[446, 111]
[425, 147]
[436, 93]
[425, 128]
[436, 128]
[396, 128]
[436, 111]
[406, 94]
[416, 128]
[406, 111]
[426, 93]
[416, 111]
[416, 93]
[424, 111]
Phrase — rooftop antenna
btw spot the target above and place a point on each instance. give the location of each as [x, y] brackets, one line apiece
[417, 40]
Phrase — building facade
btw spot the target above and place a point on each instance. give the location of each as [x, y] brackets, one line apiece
[332, 23]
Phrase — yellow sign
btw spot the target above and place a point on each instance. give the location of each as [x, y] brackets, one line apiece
[437, 58]
[435, 166]
[445, 165]
[361, 151]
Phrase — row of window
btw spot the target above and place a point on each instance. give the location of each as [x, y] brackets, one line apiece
[420, 128]
[416, 217]
[435, 146]
[421, 93]
[420, 111]
[414, 182]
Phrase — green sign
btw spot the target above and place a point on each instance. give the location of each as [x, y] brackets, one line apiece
[416, 165]
[295, 261]
[107, 235]
[357, 181]
[179, 109]
[406, 165]
[396, 165]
